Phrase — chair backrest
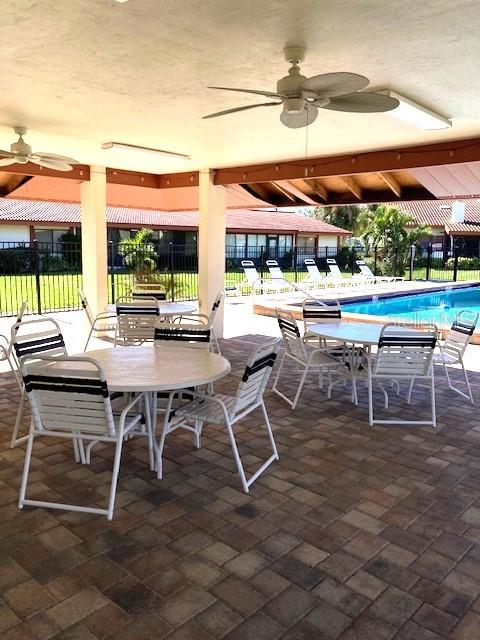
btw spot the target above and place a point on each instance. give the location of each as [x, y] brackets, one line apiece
[256, 375]
[250, 271]
[216, 304]
[365, 269]
[460, 333]
[292, 340]
[274, 269]
[85, 305]
[182, 334]
[312, 269]
[42, 337]
[136, 319]
[8, 348]
[315, 311]
[21, 311]
[68, 395]
[404, 352]
[335, 272]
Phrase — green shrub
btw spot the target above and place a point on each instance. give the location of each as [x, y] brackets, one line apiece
[464, 263]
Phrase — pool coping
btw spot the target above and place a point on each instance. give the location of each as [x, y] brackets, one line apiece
[268, 307]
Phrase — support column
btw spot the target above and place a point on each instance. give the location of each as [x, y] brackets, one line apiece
[211, 245]
[93, 200]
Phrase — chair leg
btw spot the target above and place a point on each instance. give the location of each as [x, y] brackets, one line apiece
[434, 412]
[300, 387]
[149, 427]
[26, 470]
[467, 382]
[115, 472]
[370, 398]
[18, 420]
[236, 455]
[269, 430]
[161, 442]
[279, 371]
[88, 339]
[410, 389]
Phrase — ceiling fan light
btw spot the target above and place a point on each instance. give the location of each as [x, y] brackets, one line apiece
[294, 105]
[415, 114]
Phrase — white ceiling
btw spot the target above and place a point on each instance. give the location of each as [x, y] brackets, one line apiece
[82, 72]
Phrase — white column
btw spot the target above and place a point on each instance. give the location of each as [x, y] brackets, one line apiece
[211, 245]
[93, 200]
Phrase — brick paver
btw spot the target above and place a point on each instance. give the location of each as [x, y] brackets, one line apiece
[353, 533]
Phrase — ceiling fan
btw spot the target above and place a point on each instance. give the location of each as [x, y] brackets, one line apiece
[21, 153]
[302, 97]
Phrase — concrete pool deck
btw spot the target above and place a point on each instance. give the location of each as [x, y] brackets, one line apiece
[266, 305]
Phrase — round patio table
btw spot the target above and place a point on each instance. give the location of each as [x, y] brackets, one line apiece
[365, 333]
[149, 368]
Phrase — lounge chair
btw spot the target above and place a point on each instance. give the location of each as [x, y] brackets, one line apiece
[335, 276]
[314, 279]
[277, 274]
[366, 274]
[253, 282]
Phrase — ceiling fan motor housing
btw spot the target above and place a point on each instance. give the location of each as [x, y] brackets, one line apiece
[21, 150]
[289, 86]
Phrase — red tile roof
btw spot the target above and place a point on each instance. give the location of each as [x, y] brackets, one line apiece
[35, 212]
[438, 213]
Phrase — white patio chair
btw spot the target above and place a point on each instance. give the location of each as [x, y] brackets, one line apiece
[307, 359]
[227, 410]
[7, 354]
[203, 319]
[452, 349]
[335, 276]
[104, 322]
[316, 311]
[403, 354]
[366, 274]
[73, 403]
[41, 337]
[314, 279]
[194, 334]
[254, 282]
[136, 319]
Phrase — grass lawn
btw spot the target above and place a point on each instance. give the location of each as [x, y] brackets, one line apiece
[59, 291]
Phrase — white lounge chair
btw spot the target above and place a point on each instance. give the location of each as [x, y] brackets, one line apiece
[277, 274]
[366, 274]
[335, 276]
[314, 279]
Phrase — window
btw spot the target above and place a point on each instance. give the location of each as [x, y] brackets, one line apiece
[235, 245]
[285, 245]
[50, 235]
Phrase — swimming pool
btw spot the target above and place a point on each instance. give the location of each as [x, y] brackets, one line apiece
[439, 307]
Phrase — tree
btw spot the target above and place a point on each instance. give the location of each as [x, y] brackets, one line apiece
[139, 253]
[344, 216]
[388, 228]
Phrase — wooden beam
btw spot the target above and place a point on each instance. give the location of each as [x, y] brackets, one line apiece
[296, 193]
[283, 191]
[371, 196]
[442, 153]
[353, 186]
[391, 182]
[320, 190]
[79, 172]
[151, 180]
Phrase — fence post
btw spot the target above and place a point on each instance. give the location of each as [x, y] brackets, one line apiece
[262, 261]
[412, 260]
[429, 260]
[375, 260]
[172, 274]
[112, 271]
[455, 261]
[295, 266]
[352, 260]
[36, 258]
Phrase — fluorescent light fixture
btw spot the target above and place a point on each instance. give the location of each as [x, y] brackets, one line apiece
[149, 150]
[413, 113]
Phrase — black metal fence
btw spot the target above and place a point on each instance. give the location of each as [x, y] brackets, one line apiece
[48, 275]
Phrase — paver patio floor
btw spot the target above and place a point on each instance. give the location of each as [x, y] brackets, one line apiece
[355, 533]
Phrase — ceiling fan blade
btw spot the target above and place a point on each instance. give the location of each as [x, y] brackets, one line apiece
[51, 164]
[54, 156]
[363, 103]
[6, 154]
[235, 109]
[298, 120]
[6, 161]
[268, 94]
[328, 85]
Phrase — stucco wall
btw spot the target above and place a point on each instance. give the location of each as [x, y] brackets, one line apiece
[14, 233]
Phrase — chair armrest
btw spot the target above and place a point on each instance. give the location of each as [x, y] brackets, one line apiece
[105, 315]
[204, 396]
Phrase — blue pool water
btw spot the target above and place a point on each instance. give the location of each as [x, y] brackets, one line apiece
[439, 307]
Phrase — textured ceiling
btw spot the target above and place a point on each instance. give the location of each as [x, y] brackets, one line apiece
[83, 72]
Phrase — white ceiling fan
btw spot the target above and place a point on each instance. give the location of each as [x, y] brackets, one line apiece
[21, 153]
[302, 97]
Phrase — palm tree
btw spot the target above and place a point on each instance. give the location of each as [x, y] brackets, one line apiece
[138, 252]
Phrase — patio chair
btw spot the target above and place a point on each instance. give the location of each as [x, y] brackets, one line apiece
[306, 358]
[314, 279]
[104, 322]
[203, 319]
[254, 282]
[335, 276]
[41, 337]
[194, 333]
[316, 311]
[73, 403]
[403, 354]
[136, 319]
[366, 274]
[227, 410]
[452, 349]
[7, 353]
